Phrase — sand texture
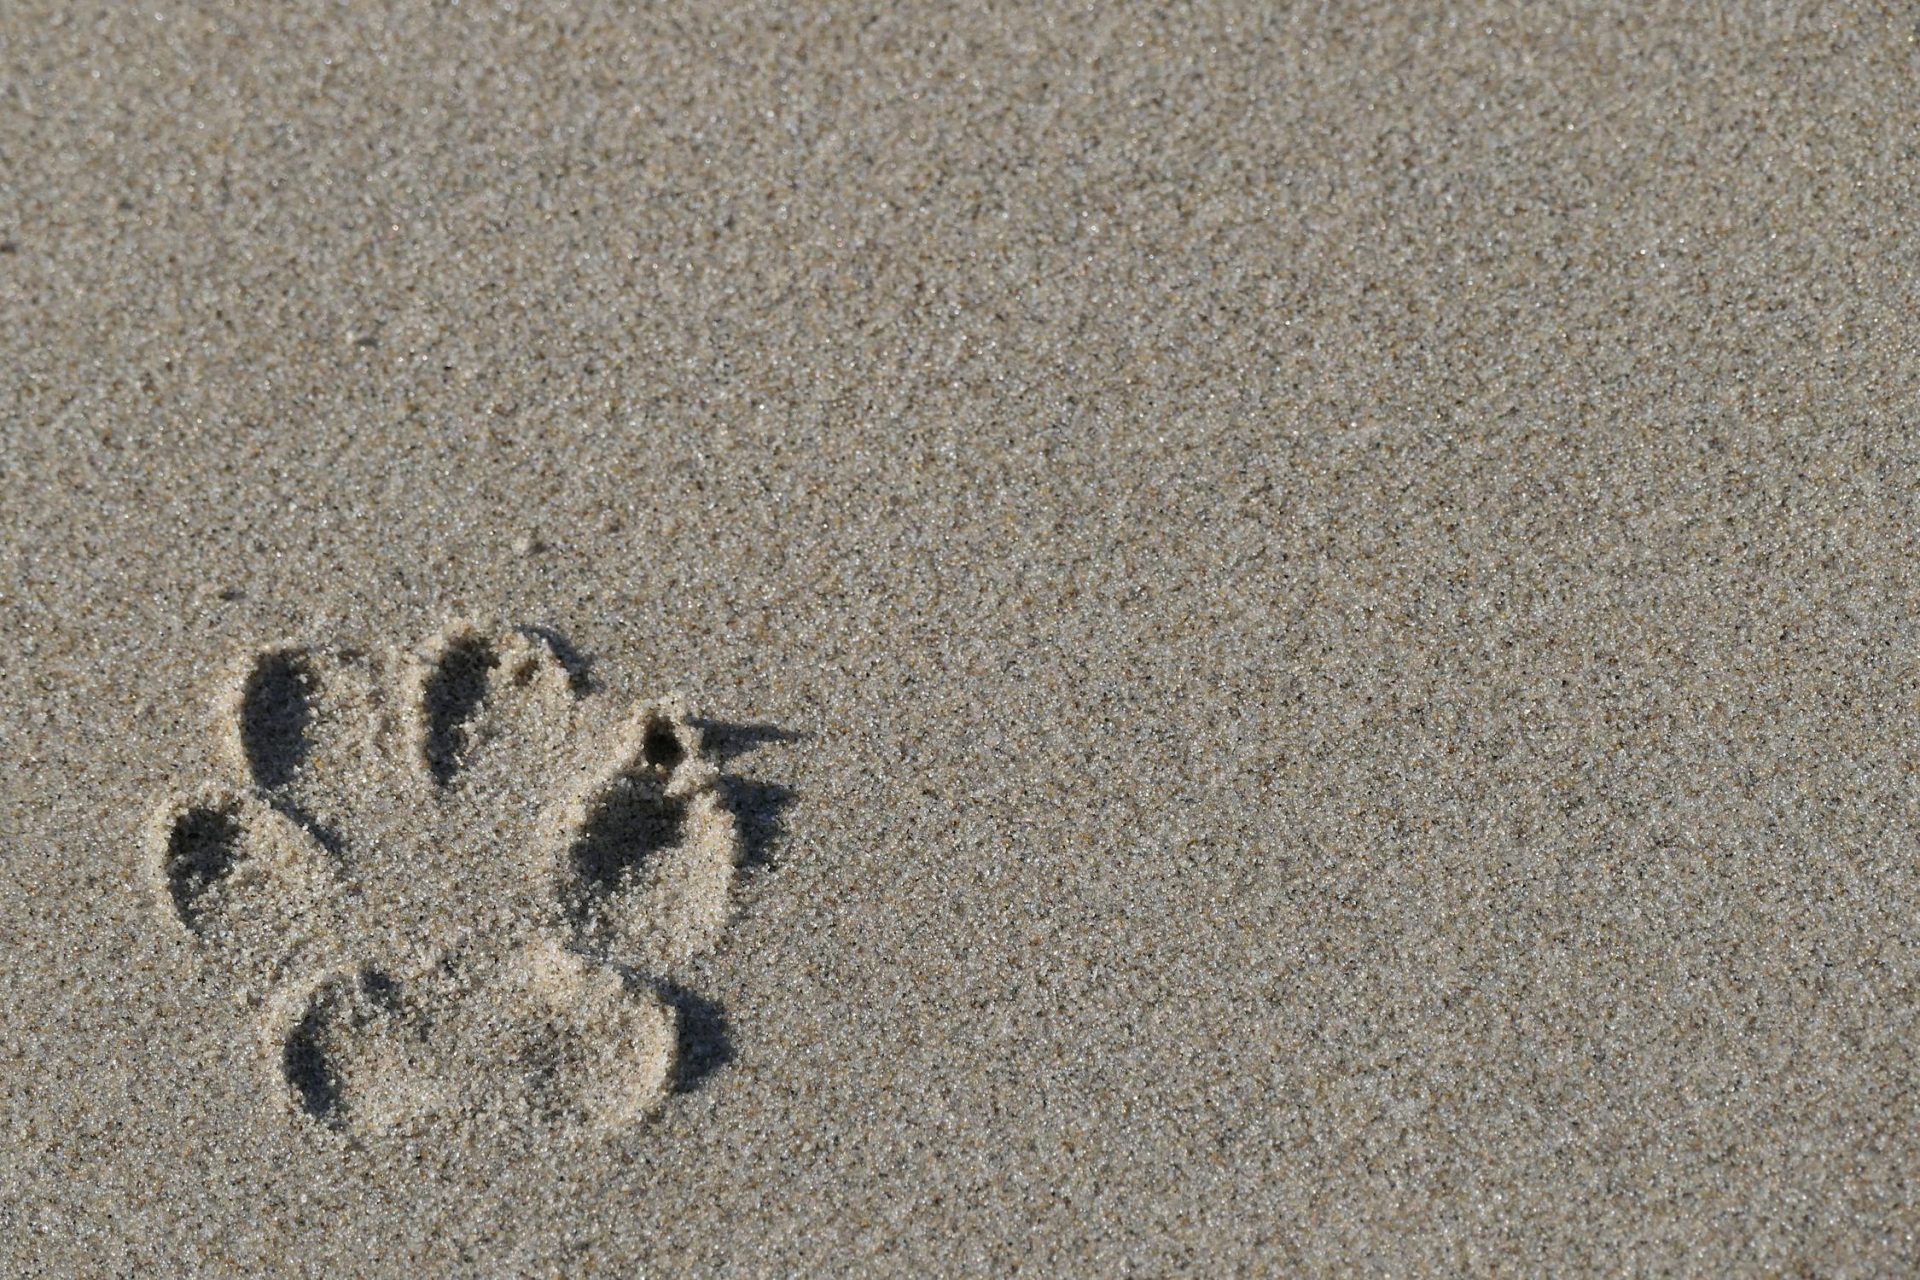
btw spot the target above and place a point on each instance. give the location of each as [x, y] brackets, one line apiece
[915, 641]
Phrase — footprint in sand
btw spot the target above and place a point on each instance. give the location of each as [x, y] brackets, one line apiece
[449, 882]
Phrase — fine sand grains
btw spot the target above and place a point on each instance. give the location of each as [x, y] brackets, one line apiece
[1308, 616]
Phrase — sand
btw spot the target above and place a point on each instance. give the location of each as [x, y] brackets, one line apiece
[1163, 641]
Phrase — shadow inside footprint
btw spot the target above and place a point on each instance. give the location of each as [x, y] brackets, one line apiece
[706, 1042]
[578, 666]
[759, 808]
[634, 820]
[319, 1048]
[201, 851]
[452, 695]
[308, 1069]
[727, 739]
[275, 713]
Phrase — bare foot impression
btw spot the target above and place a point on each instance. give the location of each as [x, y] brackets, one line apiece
[449, 881]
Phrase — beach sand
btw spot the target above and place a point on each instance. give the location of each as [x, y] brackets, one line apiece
[1295, 641]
